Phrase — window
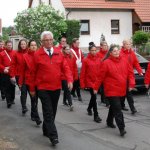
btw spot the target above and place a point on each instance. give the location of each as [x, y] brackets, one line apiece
[85, 27]
[115, 27]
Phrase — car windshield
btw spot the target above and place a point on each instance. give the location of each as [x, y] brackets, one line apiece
[140, 58]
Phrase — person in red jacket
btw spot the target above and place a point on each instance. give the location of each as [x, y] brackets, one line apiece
[89, 72]
[15, 72]
[2, 48]
[114, 73]
[79, 57]
[73, 67]
[147, 76]
[5, 63]
[102, 52]
[63, 42]
[130, 56]
[26, 76]
[49, 64]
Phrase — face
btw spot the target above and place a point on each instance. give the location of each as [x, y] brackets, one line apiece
[9, 46]
[33, 46]
[67, 50]
[1, 44]
[47, 41]
[105, 47]
[63, 41]
[93, 51]
[23, 45]
[127, 45]
[76, 44]
[115, 52]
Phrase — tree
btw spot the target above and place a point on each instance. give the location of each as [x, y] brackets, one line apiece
[140, 38]
[32, 22]
[73, 30]
[6, 33]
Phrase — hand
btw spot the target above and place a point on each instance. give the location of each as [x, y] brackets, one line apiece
[70, 86]
[95, 92]
[130, 89]
[141, 74]
[6, 70]
[32, 94]
[147, 86]
[13, 80]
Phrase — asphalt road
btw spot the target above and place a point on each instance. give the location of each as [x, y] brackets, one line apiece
[77, 130]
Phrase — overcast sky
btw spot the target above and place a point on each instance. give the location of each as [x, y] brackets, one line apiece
[9, 10]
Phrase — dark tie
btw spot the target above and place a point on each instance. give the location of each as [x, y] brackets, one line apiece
[49, 51]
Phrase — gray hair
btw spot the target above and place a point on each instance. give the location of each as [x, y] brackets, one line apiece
[46, 33]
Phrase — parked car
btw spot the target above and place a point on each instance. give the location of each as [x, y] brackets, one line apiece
[138, 78]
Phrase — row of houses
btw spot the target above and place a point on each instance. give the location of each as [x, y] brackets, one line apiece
[115, 19]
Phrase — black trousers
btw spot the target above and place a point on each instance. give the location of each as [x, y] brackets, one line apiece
[115, 112]
[23, 97]
[103, 97]
[2, 87]
[129, 99]
[9, 88]
[93, 103]
[34, 105]
[49, 100]
[76, 88]
[67, 93]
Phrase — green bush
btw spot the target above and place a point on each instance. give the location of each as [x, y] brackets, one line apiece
[73, 30]
[140, 38]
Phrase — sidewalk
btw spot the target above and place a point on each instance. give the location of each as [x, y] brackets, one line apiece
[76, 130]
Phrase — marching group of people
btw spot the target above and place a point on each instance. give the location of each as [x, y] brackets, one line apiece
[43, 72]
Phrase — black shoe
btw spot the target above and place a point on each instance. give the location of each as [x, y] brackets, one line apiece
[111, 125]
[9, 105]
[80, 99]
[122, 132]
[97, 119]
[125, 108]
[24, 110]
[65, 103]
[38, 122]
[133, 111]
[33, 119]
[54, 141]
[89, 112]
[74, 95]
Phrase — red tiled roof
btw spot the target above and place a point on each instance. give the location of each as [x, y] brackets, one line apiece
[141, 7]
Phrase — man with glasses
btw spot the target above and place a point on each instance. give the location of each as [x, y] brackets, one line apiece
[49, 65]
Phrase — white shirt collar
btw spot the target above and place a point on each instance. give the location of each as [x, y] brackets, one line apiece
[52, 50]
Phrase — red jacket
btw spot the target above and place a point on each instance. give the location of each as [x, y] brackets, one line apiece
[5, 60]
[2, 49]
[89, 71]
[114, 74]
[47, 71]
[15, 69]
[77, 52]
[72, 65]
[26, 74]
[132, 59]
[102, 53]
[147, 75]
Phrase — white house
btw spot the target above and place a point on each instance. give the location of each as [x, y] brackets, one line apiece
[115, 19]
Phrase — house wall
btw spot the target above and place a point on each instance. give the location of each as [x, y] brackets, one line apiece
[100, 23]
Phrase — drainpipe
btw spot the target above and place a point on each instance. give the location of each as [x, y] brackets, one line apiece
[69, 11]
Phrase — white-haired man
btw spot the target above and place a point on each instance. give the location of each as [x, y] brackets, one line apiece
[49, 64]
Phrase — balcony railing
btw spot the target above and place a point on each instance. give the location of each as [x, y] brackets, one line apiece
[146, 28]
